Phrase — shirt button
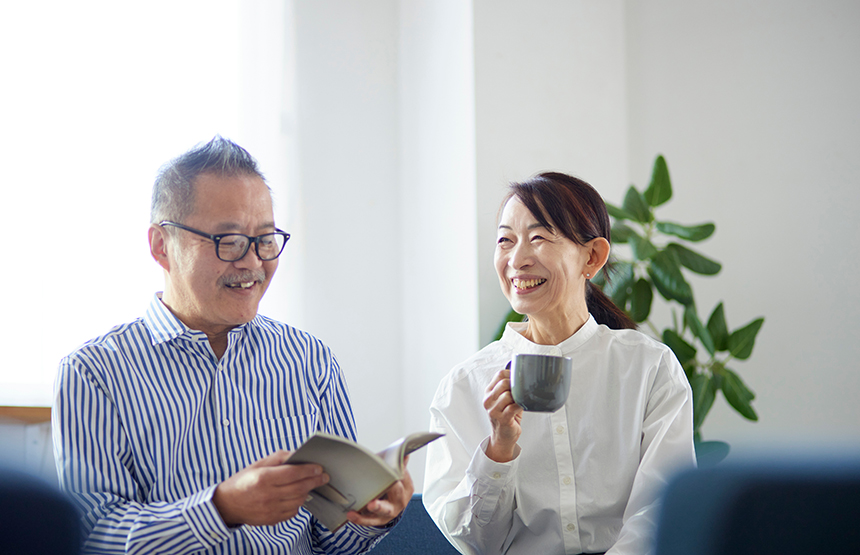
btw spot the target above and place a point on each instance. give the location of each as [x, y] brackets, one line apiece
[496, 475]
[559, 430]
[571, 527]
[567, 480]
[225, 422]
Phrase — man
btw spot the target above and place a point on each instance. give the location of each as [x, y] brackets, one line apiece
[171, 432]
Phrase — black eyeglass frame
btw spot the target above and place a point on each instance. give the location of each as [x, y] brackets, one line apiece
[217, 240]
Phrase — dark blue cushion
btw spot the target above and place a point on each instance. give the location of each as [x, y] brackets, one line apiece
[785, 506]
[416, 533]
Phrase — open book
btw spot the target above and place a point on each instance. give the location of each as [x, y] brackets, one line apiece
[357, 476]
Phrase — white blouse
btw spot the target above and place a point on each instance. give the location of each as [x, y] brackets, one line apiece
[587, 477]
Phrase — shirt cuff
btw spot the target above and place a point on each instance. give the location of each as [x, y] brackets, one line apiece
[484, 468]
[490, 479]
[203, 518]
[374, 533]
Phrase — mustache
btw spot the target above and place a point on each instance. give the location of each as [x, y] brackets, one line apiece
[243, 277]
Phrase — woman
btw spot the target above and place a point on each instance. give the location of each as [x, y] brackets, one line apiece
[585, 478]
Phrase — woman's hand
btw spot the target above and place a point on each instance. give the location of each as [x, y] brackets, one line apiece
[505, 417]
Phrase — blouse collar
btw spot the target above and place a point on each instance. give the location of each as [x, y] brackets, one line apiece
[513, 338]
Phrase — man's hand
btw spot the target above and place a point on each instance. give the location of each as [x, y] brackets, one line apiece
[505, 417]
[383, 510]
[267, 492]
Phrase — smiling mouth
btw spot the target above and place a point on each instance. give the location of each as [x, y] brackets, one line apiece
[525, 284]
[241, 285]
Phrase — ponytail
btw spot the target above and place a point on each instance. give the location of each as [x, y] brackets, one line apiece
[604, 310]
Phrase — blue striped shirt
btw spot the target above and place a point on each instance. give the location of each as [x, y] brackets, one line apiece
[147, 422]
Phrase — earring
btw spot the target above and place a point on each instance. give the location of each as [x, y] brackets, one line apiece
[587, 275]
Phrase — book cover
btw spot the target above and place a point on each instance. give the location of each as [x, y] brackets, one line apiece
[357, 475]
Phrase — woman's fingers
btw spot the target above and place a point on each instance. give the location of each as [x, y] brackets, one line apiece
[499, 389]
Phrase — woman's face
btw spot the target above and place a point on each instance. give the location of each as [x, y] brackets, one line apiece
[541, 273]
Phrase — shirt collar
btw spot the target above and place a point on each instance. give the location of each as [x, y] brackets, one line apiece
[513, 338]
[164, 326]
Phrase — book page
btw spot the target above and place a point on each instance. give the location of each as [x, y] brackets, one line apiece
[394, 454]
[355, 472]
[356, 475]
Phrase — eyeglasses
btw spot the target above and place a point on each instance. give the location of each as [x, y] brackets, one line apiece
[231, 247]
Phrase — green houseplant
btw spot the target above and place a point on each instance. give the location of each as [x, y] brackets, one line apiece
[660, 256]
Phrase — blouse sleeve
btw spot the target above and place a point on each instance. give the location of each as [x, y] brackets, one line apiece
[666, 447]
[471, 498]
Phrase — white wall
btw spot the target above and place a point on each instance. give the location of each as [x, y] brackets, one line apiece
[755, 107]
[437, 181]
[439, 226]
[550, 95]
[385, 110]
[347, 131]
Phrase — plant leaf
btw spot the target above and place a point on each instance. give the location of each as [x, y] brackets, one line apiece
[742, 340]
[718, 328]
[694, 261]
[690, 233]
[620, 297]
[619, 284]
[710, 453]
[738, 394]
[660, 189]
[640, 300]
[683, 350]
[666, 275]
[642, 248]
[716, 368]
[704, 394]
[621, 233]
[512, 316]
[698, 329]
[636, 206]
[619, 213]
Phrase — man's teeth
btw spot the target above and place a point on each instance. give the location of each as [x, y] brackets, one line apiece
[243, 285]
[528, 283]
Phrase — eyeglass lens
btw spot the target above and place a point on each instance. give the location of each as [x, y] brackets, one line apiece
[233, 247]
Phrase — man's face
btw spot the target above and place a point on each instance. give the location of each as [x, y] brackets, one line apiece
[204, 292]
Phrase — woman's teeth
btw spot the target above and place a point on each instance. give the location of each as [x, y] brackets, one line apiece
[522, 284]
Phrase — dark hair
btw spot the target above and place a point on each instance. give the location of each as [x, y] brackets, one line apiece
[173, 192]
[573, 208]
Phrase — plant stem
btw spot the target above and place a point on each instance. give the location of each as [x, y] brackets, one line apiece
[653, 328]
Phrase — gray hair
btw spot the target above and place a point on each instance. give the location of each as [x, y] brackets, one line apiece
[173, 192]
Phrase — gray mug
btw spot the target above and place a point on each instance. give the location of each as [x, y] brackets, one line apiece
[540, 383]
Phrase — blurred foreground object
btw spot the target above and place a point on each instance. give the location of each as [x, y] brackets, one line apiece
[36, 517]
[787, 506]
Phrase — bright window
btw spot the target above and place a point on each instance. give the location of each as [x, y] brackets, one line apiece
[96, 95]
